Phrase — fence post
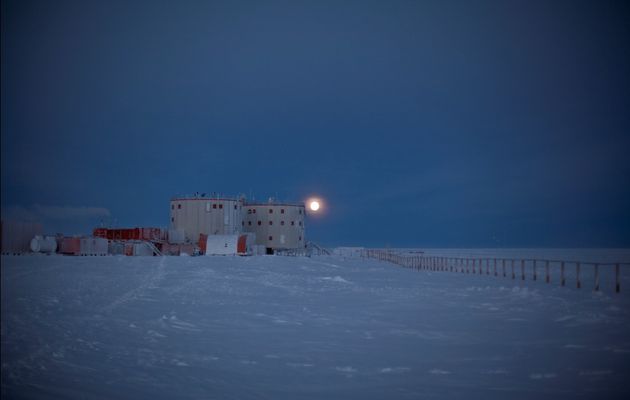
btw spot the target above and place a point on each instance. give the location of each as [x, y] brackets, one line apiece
[522, 270]
[547, 278]
[562, 278]
[596, 277]
[503, 266]
[513, 275]
[577, 274]
[534, 269]
[617, 286]
[487, 266]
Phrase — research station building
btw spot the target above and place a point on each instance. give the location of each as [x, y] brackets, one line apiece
[277, 226]
[194, 215]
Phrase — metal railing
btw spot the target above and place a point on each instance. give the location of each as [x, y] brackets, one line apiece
[514, 268]
[311, 249]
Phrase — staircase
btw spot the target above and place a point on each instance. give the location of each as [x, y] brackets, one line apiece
[154, 249]
[315, 249]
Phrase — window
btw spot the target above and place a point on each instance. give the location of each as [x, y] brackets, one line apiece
[300, 238]
[270, 237]
[243, 223]
[221, 206]
[249, 223]
[214, 206]
[235, 207]
[270, 222]
[282, 211]
[300, 223]
[172, 219]
[249, 211]
[292, 223]
[271, 211]
[282, 223]
[300, 211]
[254, 211]
[179, 206]
[172, 206]
[259, 223]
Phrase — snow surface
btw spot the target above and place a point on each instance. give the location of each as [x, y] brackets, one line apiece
[290, 327]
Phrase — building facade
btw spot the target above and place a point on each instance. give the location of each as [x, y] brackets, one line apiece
[276, 225]
[197, 215]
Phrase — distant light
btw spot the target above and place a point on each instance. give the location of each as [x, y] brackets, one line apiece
[314, 205]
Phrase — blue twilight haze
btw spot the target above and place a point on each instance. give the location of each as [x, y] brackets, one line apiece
[428, 123]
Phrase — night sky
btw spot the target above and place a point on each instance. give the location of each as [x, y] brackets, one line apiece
[447, 123]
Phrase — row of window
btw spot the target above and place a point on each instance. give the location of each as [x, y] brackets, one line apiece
[220, 207]
[259, 222]
[271, 223]
[253, 211]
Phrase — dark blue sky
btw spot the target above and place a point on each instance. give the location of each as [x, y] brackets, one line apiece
[501, 123]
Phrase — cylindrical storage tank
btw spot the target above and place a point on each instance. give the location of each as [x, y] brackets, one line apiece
[206, 215]
[44, 244]
[276, 225]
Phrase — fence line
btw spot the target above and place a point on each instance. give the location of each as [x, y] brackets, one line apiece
[475, 265]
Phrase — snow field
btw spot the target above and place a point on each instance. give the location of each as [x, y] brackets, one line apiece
[291, 327]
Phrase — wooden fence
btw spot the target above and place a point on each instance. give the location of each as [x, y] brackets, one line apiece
[514, 268]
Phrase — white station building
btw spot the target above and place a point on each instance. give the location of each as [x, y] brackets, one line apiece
[276, 226]
[195, 215]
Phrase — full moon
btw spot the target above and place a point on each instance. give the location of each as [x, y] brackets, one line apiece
[314, 206]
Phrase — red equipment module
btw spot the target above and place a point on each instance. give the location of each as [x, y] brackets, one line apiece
[130, 233]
